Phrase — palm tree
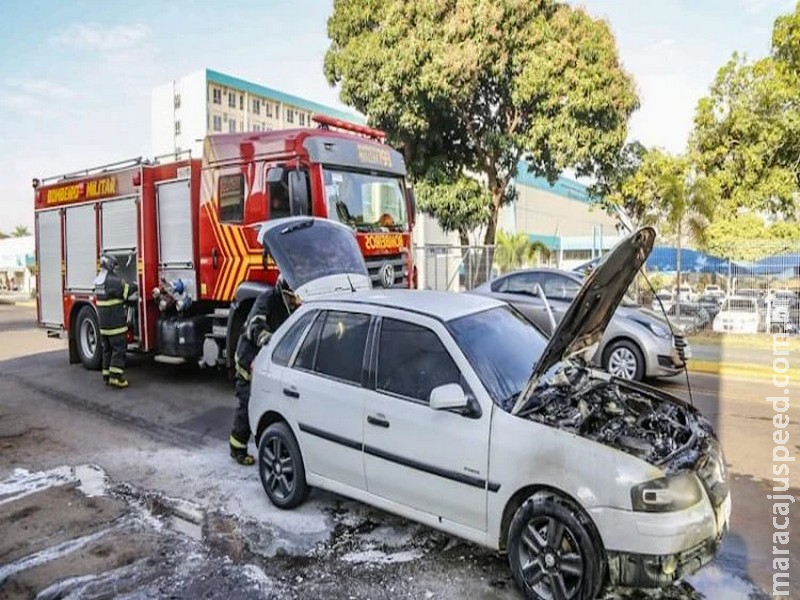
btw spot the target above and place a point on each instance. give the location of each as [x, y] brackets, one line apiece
[516, 250]
[20, 231]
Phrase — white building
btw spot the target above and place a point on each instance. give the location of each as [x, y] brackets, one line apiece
[17, 264]
[185, 110]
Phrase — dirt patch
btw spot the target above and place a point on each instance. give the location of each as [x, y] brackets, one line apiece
[49, 517]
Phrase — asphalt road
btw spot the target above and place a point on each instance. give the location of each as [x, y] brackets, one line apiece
[169, 514]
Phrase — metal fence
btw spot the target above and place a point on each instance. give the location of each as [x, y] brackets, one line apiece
[453, 268]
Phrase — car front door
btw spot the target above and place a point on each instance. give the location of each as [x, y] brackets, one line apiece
[326, 381]
[434, 461]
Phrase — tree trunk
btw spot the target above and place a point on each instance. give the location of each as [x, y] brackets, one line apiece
[486, 259]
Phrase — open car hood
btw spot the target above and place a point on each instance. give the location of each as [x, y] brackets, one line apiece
[595, 303]
[315, 256]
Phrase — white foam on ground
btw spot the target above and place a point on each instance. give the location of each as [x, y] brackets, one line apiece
[378, 557]
[22, 483]
[713, 582]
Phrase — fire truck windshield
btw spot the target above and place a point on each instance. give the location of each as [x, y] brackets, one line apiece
[365, 201]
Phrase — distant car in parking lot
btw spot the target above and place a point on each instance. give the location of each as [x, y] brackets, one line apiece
[739, 314]
[455, 411]
[690, 316]
[637, 343]
[711, 304]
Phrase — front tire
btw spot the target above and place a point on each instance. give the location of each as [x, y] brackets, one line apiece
[552, 553]
[280, 465]
[87, 338]
[623, 359]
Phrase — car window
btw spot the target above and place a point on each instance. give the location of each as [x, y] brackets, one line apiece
[412, 361]
[340, 352]
[558, 286]
[522, 283]
[285, 348]
[308, 351]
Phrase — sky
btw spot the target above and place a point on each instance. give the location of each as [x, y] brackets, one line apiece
[76, 77]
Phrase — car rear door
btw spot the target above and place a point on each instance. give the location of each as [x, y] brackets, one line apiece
[326, 382]
[434, 461]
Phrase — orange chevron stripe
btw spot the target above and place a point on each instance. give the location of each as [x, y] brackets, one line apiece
[230, 254]
[236, 259]
[241, 273]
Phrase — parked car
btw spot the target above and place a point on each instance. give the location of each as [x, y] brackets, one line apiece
[783, 308]
[715, 291]
[637, 343]
[739, 314]
[690, 316]
[711, 304]
[455, 411]
[663, 299]
[686, 293]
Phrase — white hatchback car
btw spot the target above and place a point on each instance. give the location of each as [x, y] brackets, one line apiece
[455, 411]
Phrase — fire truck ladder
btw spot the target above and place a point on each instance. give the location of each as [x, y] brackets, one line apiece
[115, 166]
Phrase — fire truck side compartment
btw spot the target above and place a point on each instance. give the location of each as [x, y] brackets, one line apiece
[51, 291]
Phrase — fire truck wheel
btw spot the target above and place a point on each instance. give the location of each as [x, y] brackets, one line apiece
[87, 338]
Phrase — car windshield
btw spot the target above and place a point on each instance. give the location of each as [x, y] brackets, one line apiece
[365, 201]
[502, 347]
[739, 305]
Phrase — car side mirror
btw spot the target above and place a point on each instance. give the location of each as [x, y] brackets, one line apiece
[448, 396]
[298, 193]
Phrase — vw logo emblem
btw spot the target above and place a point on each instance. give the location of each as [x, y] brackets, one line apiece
[387, 275]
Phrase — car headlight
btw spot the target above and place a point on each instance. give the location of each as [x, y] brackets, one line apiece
[655, 329]
[667, 494]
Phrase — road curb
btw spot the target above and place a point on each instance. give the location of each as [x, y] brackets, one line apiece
[735, 369]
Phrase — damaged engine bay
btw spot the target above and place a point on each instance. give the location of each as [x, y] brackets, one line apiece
[651, 426]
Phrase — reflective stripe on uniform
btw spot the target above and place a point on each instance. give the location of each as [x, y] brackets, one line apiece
[115, 331]
[106, 372]
[126, 288]
[115, 370]
[237, 444]
[240, 370]
[113, 302]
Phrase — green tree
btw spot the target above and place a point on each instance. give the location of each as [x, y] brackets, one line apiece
[516, 250]
[3, 235]
[480, 85]
[20, 231]
[747, 131]
[461, 205]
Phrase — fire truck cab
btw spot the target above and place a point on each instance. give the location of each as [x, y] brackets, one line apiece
[182, 228]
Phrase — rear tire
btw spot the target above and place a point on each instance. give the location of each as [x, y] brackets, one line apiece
[280, 466]
[87, 338]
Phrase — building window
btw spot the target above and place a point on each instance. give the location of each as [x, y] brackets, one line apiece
[232, 125]
[268, 109]
[289, 115]
[232, 100]
[231, 198]
[217, 123]
[177, 101]
[256, 127]
[277, 111]
[241, 125]
[241, 101]
[216, 95]
[257, 106]
[177, 127]
[302, 119]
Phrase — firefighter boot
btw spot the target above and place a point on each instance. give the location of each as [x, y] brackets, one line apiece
[118, 381]
[239, 452]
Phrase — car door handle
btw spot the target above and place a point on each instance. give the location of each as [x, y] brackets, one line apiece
[291, 392]
[377, 421]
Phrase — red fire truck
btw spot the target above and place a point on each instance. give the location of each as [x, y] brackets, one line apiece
[182, 228]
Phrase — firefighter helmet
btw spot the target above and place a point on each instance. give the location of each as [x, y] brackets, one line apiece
[108, 262]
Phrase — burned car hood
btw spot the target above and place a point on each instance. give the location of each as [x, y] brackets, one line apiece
[594, 305]
[647, 423]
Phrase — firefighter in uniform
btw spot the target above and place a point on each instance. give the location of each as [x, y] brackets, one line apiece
[111, 293]
[269, 311]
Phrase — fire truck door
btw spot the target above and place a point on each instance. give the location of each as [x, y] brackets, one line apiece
[175, 240]
[119, 221]
[81, 248]
[48, 250]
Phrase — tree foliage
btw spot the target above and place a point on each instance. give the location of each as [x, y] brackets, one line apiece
[478, 85]
[747, 131]
[462, 205]
[20, 231]
[516, 250]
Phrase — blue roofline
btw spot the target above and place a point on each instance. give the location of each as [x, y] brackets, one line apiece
[260, 90]
[567, 188]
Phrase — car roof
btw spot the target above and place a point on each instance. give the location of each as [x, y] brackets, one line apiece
[444, 306]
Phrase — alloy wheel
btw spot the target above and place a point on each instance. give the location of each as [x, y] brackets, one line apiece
[622, 363]
[552, 562]
[279, 469]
